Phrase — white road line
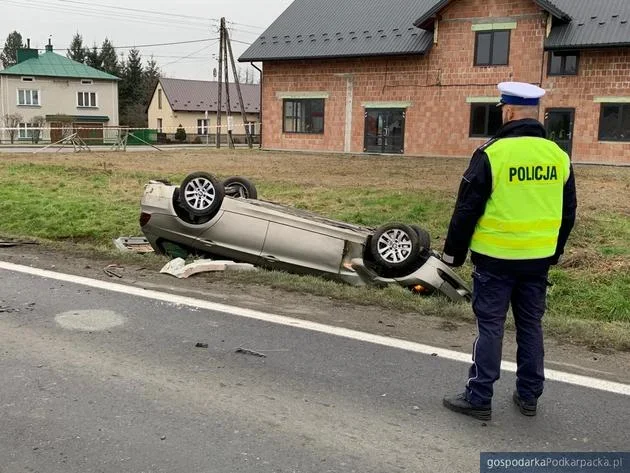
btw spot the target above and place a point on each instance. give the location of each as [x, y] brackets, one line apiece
[551, 375]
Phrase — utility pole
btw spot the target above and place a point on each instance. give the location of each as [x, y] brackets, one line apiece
[220, 83]
[227, 92]
[238, 87]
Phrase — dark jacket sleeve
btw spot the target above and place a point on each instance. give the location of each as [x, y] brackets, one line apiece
[569, 207]
[474, 192]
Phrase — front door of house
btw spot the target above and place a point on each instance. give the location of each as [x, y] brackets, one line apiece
[559, 125]
[384, 130]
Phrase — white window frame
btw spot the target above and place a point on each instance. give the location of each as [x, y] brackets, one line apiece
[28, 79]
[87, 82]
[25, 131]
[83, 95]
[28, 97]
[202, 126]
[160, 123]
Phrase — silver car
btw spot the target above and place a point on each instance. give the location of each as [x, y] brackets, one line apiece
[226, 219]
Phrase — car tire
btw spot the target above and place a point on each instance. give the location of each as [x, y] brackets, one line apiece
[240, 188]
[201, 194]
[395, 246]
[424, 238]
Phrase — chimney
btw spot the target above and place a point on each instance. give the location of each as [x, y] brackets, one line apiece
[49, 47]
[26, 53]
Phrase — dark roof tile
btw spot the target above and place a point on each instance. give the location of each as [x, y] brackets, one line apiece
[197, 95]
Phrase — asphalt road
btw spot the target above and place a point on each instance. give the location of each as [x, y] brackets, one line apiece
[97, 381]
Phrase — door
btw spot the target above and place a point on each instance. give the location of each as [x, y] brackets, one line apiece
[384, 131]
[91, 133]
[559, 126]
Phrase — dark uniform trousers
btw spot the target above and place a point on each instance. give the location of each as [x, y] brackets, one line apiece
[493, 292]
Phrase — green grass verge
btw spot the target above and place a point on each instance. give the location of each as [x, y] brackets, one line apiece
[589, 303]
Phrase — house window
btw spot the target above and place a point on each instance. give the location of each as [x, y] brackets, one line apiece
[485, 120]
[250, 128]
[614, 122]
[159, 125]
[28, 79]
[86, 99]
[87, 81]
[28, 97]
[159, 99]
[492, 48]
[303, 116]
[25, 131]
[202, 126]
[563, 63]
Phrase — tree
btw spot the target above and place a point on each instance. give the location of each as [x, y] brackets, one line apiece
[38, 122]
[8, 57]
[93, 58]
[180, 134]
[76, 51]
[12, 121]
[131, 91]
[109, 59]
[152, 74]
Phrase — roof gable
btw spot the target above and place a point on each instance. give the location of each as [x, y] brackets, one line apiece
[200, 96]
[348, 28]
[428, 18]
[601, 23]
[50, 64]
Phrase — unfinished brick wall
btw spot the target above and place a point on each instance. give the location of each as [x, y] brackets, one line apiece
[437, 86]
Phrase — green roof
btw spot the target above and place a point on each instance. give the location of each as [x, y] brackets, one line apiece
[50, 64]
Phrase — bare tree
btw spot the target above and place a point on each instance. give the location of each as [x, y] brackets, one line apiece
[12, 121]
[38, 123]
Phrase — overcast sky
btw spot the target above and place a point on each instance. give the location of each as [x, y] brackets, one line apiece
[157, 21]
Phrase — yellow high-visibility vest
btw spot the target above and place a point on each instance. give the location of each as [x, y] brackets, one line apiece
[523, 215]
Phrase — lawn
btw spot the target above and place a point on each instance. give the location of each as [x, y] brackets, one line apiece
[90, 198]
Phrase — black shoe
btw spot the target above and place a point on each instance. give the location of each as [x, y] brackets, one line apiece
[527, 408]
[459, 403]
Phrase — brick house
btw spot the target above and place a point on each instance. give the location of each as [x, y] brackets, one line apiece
[418, 77]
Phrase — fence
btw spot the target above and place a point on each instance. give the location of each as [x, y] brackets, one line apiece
[110, 135]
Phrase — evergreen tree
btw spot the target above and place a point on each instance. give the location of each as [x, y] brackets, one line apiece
[152, 75]
[109, 59]
[131, 91]
[93, 58]
[8, 57]
[76, 51]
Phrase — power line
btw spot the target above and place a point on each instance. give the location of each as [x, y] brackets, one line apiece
[157, 44]
[189, 55]
[174, 23]
[169, 15]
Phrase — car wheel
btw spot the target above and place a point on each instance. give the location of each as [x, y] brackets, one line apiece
[240, 188]
[395, 246]
[201, 194]
[424, 239]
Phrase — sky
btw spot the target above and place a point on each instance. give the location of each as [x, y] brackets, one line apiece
[144, 22]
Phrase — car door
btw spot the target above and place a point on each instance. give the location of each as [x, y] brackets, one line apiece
[298, 248]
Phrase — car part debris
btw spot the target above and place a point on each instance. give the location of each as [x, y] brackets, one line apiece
[11, 243]
[109, 270]
[133, 244]
[246, 351]
[201, 345]
[180, 269]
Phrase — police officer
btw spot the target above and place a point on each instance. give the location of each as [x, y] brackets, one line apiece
[515, 209]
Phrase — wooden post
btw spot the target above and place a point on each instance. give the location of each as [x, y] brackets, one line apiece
[238, 89]
[220, 83]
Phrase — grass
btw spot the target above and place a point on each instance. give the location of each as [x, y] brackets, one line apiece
[90, 199]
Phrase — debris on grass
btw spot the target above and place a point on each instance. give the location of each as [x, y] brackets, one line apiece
[133, 244]
[180, 269]
[10, 243]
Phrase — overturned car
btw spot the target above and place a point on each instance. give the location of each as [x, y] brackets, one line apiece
[226, 219]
